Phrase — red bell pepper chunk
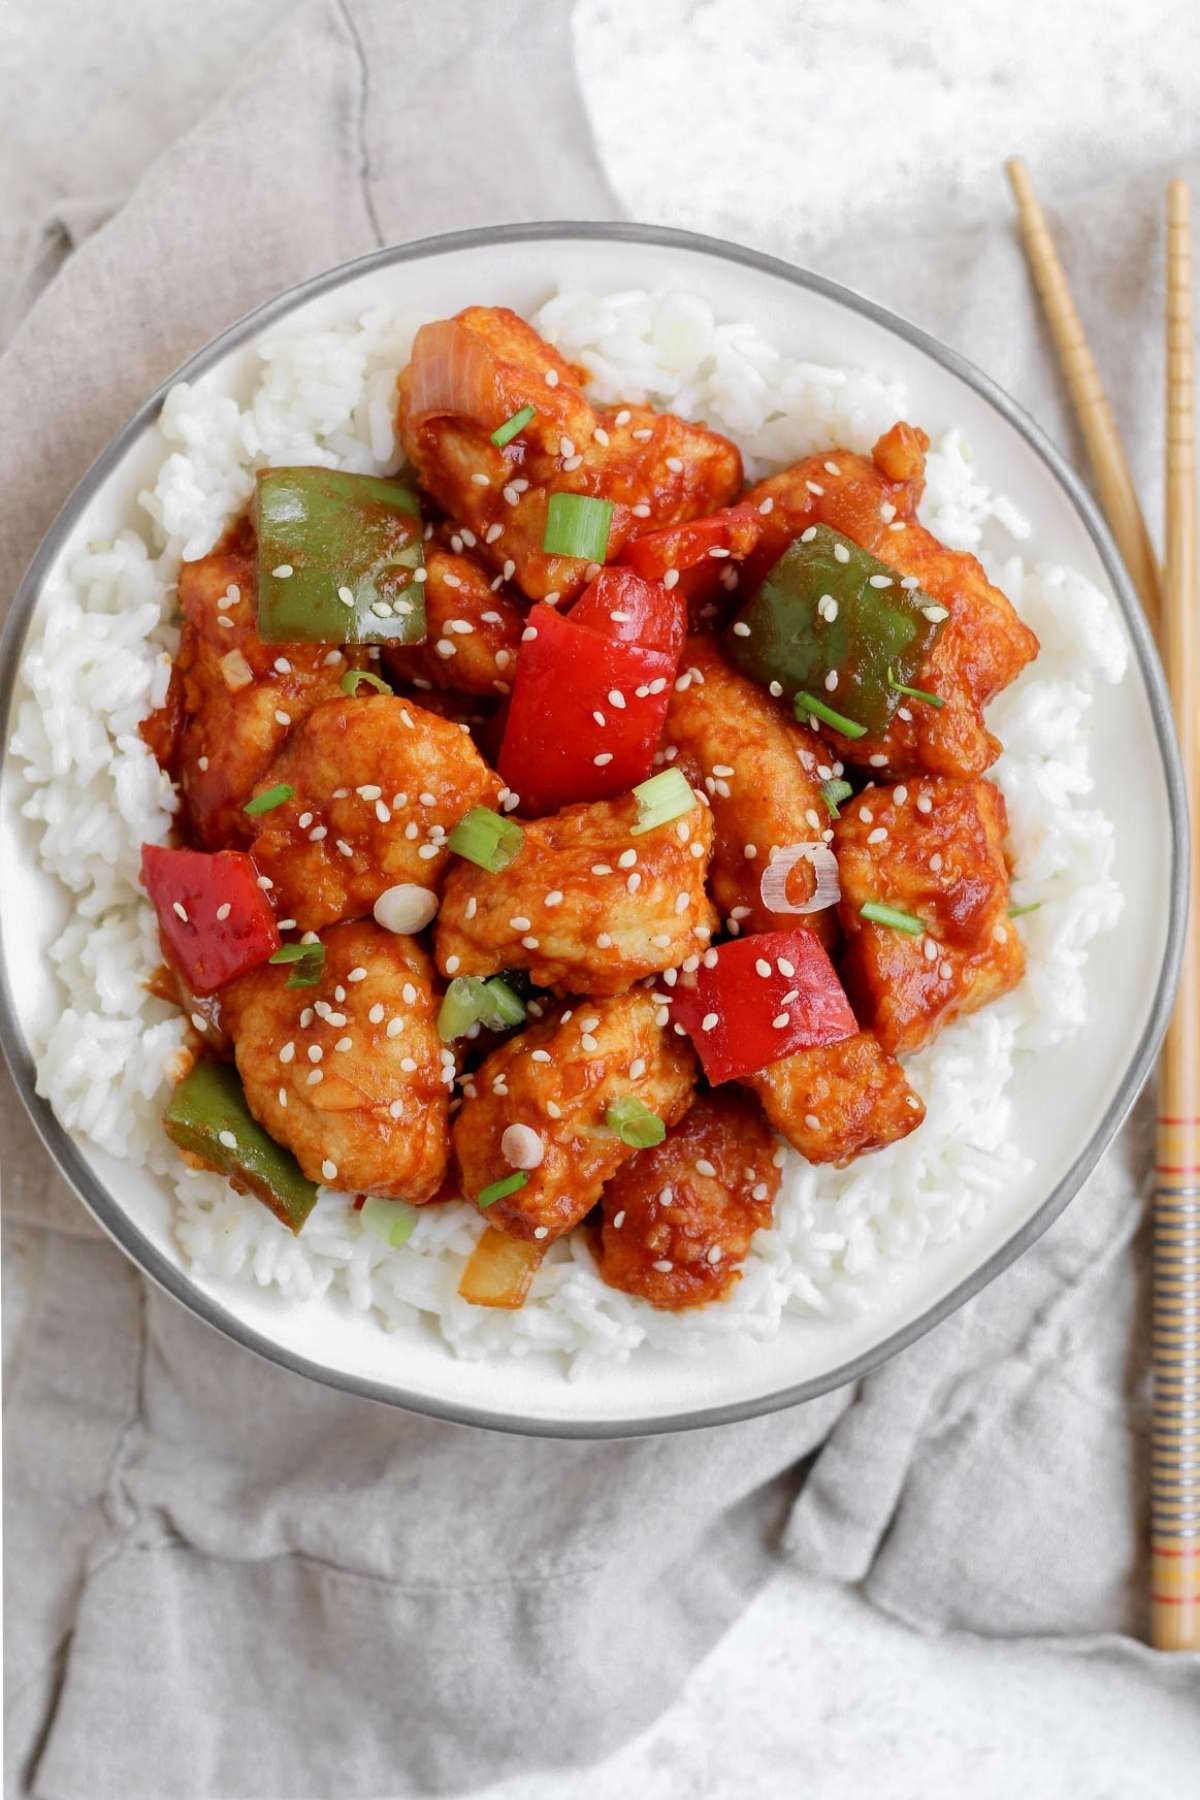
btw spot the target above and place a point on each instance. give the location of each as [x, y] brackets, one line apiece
[764, 998]
[619, 604]
[214, 920]
[554, 752]
[735, 529]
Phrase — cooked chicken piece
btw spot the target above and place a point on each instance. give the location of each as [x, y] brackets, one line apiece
[349, 1074]
[762, 774]
[678, 1219]
[472, 635]
[377, 784]
[839, 1101]
[586, 906]
[470, 374]
[982, 646]
[557, 1079]
[233, 699]
[934, 849]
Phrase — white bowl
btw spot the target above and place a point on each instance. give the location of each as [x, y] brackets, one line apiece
[1067, 1102]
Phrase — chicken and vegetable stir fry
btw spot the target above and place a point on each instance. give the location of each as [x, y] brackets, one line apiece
[567, 828]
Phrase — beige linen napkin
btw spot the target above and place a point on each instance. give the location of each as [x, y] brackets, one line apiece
[225, 1581]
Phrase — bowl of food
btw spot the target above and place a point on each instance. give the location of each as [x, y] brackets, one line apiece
[592, 835]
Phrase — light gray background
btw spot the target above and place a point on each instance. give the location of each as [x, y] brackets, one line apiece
[755, 119]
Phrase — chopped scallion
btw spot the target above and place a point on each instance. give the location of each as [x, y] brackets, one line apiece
[808, 703]
[352, 677]
[471, 1001]
[577, 525]
[486, 839]
[879, 914]
[663, 798]
[634, 1123]
[833, 792]
[1017, 912]
[272, 796]
[915, 693]
[500, 1190]
[391, 1220]
[308, 958]
[504, 434]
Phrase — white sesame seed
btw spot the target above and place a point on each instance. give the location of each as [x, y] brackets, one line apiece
[394, 1028]
[588, 1042]
[945, 970]
[314, 1076]
[682, 901]
[781, 1021]
[814, 487]
[878, 836]
[709, 1022]
[664, 1267]
[551, 377]
[670, 578]
[227, 1138]
[881, 581]
[878, 761]
[741, 629]
[180, 910]
[924, 803]
[480, 479]
[603, 759]
[935, 614]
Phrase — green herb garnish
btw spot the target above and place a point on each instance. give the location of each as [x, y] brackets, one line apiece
[634, 1123]
[270, 797]
[577, 525]
[833, 792]
[504, 434]
[663, 798]
[808, 703]
[879, 914]
[915, 693]
[308, 958]
[500, 1190]
[486, 839]
[352, 677]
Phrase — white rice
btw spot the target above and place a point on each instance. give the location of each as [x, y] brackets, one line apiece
[99, 662]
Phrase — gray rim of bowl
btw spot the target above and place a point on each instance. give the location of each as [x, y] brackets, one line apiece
[173, 1280]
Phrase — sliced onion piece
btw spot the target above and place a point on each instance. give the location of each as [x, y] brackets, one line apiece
[773, 888]
[453, 374]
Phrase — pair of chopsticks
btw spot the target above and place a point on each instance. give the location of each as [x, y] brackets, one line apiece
[1170, 604]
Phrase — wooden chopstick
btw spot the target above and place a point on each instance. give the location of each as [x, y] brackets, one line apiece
[1175, 1453]
[1171, 609]
[1096, 422]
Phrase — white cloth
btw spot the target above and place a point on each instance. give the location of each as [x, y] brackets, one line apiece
[224, 1581]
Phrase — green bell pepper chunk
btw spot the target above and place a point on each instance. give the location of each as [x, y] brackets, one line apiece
[337, 559]
[876, 641]
[208, 1117]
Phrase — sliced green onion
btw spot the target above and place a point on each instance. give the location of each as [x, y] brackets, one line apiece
[833, 792]
[1017, 912]
[391, 1220]
[915, 693]
[486, 839]
[663, 798]
[577, 525]
[500, 1190]
[634, 1123]
[470, 1001]
[308, 958]
[504, 1006]
[273, 796]
[504, 434]
[879, 914]
[808, 703]
[352, 677]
